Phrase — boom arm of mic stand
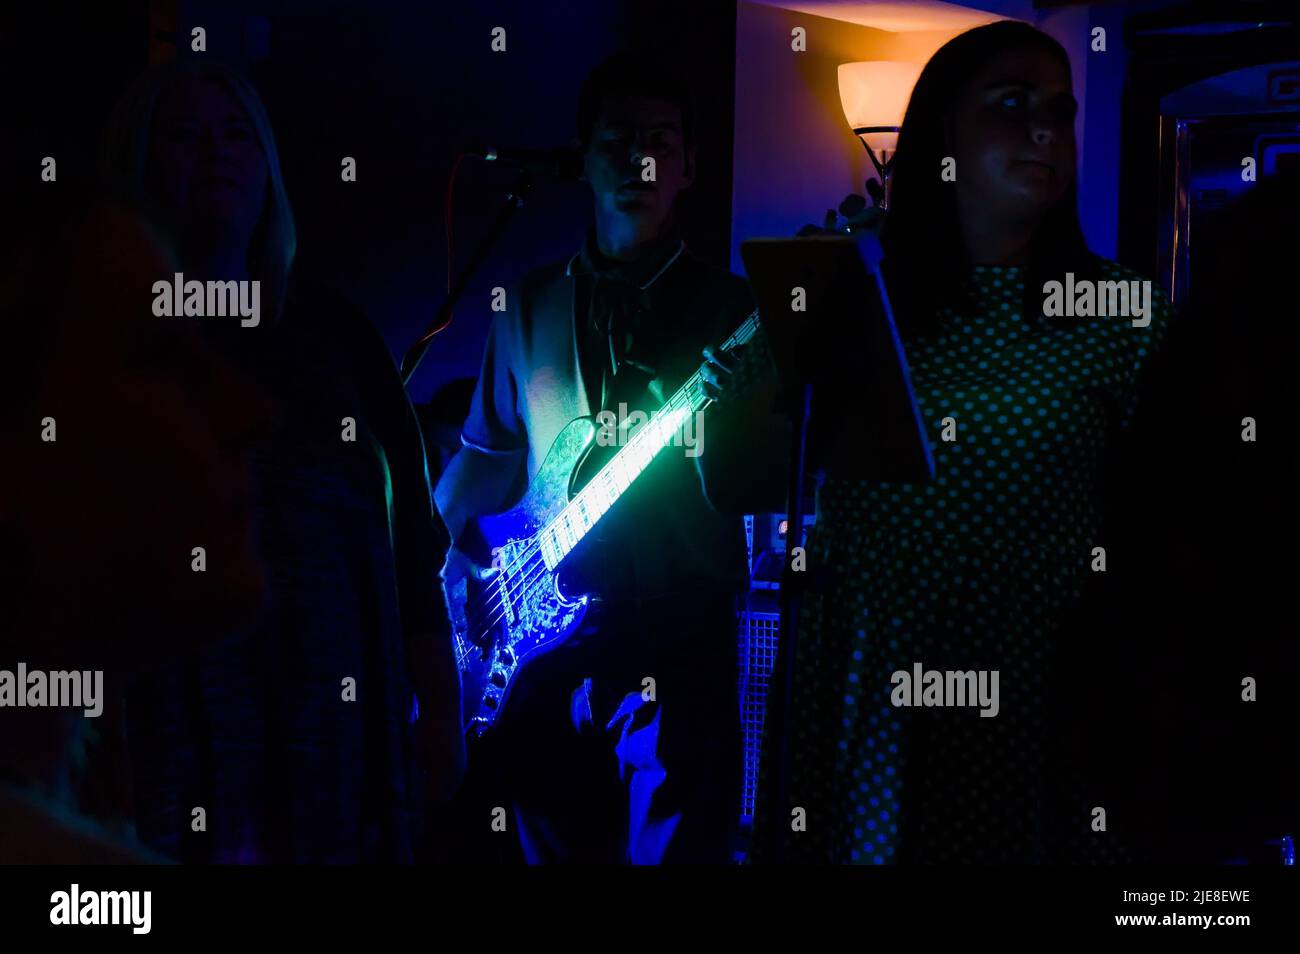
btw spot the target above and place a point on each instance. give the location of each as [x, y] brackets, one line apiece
[514, 201]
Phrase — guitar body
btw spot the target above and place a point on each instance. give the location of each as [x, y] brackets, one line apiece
[529, 613]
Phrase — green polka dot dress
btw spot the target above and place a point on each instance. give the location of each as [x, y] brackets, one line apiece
[977, 569]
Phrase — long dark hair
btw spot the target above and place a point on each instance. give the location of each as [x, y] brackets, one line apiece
[925, 257]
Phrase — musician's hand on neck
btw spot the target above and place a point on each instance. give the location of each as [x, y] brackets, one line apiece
[725, 375]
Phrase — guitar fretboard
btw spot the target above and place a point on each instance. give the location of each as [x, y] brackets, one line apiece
[558, 538]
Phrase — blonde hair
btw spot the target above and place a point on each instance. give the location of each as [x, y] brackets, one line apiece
[126, 155]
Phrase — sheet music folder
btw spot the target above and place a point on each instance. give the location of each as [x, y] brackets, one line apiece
[864, 422]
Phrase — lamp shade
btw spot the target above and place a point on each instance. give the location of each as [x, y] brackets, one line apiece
[875, 94]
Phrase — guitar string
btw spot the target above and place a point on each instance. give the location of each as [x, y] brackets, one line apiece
[683, 399]
[528, 564]
[528, 558]
[532, 564]
[532, 561]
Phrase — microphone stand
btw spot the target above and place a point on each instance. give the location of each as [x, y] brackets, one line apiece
[781, 691]
[514, 200]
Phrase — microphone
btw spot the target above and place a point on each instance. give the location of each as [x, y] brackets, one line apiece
[562, 163]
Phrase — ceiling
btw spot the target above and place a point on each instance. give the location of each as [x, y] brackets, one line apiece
[902, 16]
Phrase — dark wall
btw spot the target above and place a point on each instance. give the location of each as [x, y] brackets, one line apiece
[399, 86]
[62, 66]
[402, 86]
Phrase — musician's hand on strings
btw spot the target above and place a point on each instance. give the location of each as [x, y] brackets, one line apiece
[725, 373]
[749, 434]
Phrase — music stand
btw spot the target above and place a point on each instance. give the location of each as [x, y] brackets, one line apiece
[845, 383]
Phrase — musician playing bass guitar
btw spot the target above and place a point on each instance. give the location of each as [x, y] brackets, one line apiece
[623, 743]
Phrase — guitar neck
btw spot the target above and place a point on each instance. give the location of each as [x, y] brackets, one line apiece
[558, 538]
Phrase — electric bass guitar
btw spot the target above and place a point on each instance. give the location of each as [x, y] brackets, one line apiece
[522, 610]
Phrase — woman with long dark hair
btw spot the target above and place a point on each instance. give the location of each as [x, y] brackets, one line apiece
[981, 570]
